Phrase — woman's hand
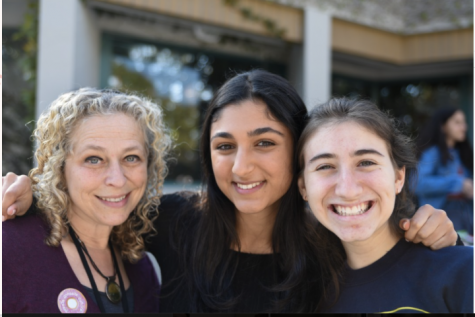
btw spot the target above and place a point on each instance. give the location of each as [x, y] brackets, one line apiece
[16, 195]
[430, 226]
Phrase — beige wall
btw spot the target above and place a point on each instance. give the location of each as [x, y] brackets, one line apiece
[441, 46]
[216, 12]
[367, 42]
[347, 37]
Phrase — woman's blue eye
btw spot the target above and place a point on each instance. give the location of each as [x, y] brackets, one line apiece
[323, 167]
[93, 160]
[132, 158]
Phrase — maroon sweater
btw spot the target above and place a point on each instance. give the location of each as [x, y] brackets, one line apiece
[34, 274]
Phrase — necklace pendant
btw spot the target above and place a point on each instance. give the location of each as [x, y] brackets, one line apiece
[113, 292]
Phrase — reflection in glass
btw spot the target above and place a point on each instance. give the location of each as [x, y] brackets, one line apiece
[182, 81]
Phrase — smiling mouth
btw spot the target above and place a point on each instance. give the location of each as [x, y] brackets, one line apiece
[248, 186]
[113, 200]
[352, 210]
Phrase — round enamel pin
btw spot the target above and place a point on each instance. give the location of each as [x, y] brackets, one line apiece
[72, 301]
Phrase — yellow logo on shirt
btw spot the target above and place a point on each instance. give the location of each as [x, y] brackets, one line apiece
[409, 309]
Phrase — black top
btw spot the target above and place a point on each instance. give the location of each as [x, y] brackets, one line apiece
[255, 273]
[410, 278]
[110, 307]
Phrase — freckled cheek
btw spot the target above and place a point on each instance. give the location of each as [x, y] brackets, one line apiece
[81, 181]
[381, 181]
[317, 191]
[318, 207]
[139, 177]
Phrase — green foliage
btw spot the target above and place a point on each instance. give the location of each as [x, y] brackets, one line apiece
[28, 34]
[181, 120]
[132, 81]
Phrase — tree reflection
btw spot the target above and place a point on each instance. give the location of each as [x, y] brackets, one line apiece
[179, 83]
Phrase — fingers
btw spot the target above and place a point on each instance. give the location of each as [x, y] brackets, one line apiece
[449, 239]
[432, 227]
[7, 180]
[404, 224]
[418, 221]
[7, 199]
[16, 194]
[428, 231]
[10, 214]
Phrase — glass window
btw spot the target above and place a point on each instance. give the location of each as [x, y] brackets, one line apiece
[182, 80]
[412, 101]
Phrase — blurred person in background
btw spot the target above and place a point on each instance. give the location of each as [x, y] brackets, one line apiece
[100, 172]
[446, 169]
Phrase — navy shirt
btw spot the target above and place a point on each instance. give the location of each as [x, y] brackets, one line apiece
[410, 278]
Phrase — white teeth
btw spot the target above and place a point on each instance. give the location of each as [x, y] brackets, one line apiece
[114, 200]
[248, 186]
[351, 211]
[338, 209]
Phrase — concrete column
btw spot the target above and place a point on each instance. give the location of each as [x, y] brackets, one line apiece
[316, 56]
[68, 50]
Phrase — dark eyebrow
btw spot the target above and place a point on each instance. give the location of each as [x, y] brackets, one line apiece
[320, 156]
[255, 132]
[367, 151]
[225, 135]
[260, 131]
[357, 153]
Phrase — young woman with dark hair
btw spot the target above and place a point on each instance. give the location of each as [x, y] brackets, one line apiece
[355, 163]
[253, 227]
[446, 168]
[246, 243]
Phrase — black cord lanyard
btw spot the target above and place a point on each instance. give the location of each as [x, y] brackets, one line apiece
[125, 304]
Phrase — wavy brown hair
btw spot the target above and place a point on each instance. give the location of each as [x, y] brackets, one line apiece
[402, 153]
[53, 135]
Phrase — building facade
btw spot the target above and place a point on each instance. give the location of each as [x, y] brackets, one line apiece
[179, 52]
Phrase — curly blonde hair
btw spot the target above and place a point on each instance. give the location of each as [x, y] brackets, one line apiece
[53, 135]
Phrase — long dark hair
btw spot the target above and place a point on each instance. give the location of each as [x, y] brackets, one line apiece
[401, 150]
[207, 257]
[432, 134]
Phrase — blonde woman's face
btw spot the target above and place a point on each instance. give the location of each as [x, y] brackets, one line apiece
[106, 173]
